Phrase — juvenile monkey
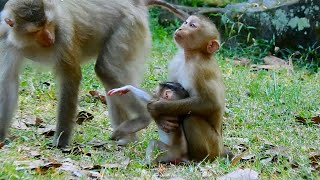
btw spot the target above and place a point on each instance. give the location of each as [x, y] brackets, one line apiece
[172, 144]
[197, 71]
[66, 33]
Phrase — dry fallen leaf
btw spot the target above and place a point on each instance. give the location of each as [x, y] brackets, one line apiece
[73, 169]
[241, 147]
[38, 121]
[275, 154]
[75, 150]
[20, 125]
[245, 174]
[32, 121]
[272, 63]
[28, 164]
[26, 122]
[84, 116]
[35, 154]
[1, 145]
[205, 172]
[266, 161]
[273, 60]
[161, 169]
[38, 165]
[277, 150]
[238, 157]
[47, 166]
[315, 120]
[122, 165]
[48, 130]
[97, 143]
[98, 95]
[241, 61]
[248, 158]
[94, 175]
[315, 161]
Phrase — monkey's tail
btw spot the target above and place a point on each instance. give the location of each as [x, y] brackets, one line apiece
[181, 14]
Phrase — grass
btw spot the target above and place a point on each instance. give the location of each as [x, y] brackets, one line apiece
[261, 109]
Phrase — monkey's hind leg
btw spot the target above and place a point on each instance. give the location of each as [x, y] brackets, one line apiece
[121, 63]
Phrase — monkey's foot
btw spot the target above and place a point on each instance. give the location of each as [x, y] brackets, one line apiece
[61, 140]
[126, 140]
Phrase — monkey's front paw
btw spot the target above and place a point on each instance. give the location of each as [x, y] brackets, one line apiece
[127, 139]
[115, 136]
[167, 123]
[153, 108]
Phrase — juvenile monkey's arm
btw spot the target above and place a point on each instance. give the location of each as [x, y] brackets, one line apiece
[144, 96]
[175, 107]
[192, 105]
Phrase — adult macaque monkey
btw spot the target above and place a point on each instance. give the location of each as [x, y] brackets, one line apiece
[65, 34]
[173, 145]
[196, 70]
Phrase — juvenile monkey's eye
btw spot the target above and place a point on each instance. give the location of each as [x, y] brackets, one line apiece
[185, 22]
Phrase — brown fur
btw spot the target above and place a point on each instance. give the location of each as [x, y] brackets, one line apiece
[196, 70]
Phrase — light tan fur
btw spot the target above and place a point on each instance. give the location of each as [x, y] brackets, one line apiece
[115, 32]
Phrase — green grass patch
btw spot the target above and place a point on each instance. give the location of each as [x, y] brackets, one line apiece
[261, 109]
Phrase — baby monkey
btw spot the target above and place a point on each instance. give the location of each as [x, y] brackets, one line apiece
[172, 144]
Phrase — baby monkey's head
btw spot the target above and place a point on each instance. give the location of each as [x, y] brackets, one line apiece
[171, 91]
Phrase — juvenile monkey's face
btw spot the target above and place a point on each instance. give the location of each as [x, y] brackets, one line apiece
[188, 35]
[198, 34]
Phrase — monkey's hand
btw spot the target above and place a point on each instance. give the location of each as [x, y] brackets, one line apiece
[167, 123]
[154, 108]
[120, 91]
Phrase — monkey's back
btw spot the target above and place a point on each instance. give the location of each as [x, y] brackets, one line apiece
[96, 21]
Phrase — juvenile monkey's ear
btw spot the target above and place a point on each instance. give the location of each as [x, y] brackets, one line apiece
[213, 46]
[9, 22]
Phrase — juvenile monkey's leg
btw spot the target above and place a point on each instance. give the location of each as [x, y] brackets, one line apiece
[121, 63]
[204, 142]
[10, 63]
[69, 78]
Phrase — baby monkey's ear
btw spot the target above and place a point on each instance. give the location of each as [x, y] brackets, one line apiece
[168, 93]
